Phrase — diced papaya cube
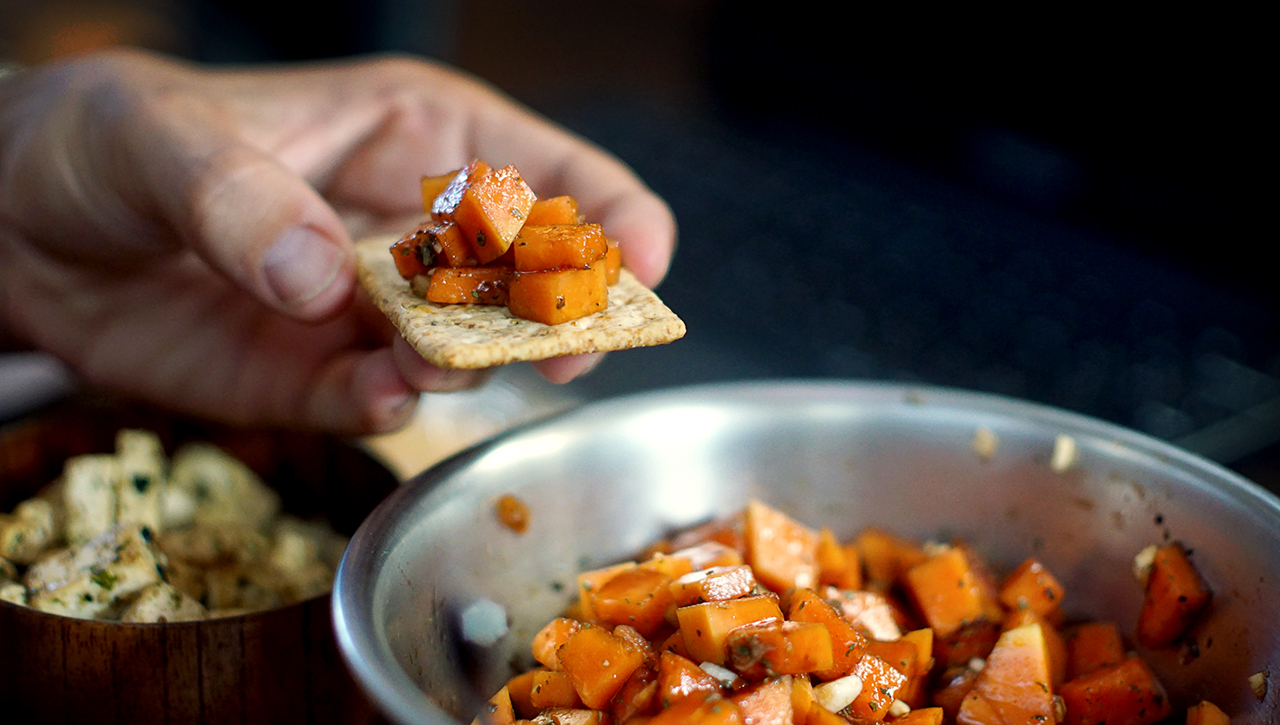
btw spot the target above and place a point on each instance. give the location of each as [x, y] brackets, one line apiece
[445, 245]
[1175, 596]
[885, 556]
[638, 641]
[559, 246]
[553, 689]
[1015, 685]
[801, 695]
[469, 285]
[548, 640]
[598, 664]
[445, 203]
[680, 678]
[639, 695]
[675, 645]
[520, 689]
[407, 253]
[673, 566]
[921, 716]
[782, 552]
[847, 643]
[869, 611]
[1206, 713]
[903, 656]
[1031, 586]
[709, 554]
[498, 710]
[558, 296]
[556, 210]
[1055, 645]
[713, 585]
[880, 685]
[1092, 646]
[726, 531]
[612, 261]
[765, 703]
[637, 597]
[1123, 694]
[769, 649]
[838, 565]
[923, 640]
[694, 711]
[973, 640]
[433, 186]
[490, 209]
[946, 591]
[706, 626]
[955, 685]
[589, 582]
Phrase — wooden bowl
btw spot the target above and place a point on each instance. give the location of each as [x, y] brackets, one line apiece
[279, 665]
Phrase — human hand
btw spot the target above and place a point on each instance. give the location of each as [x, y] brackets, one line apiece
[182, 234]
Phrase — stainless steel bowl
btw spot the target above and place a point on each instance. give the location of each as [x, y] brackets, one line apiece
[433, 563]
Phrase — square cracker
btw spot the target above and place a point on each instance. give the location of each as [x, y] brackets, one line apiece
[480, 336]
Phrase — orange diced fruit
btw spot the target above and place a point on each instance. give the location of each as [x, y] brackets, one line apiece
[469, 285]
[556, 210]
[407, 253]
[921, 716]
[838, 565]
[782, 552]
[548, 640]
[769, 649]
[558, 296]
[1015, 685]
[590, 582]
[637, 597]
[492, 211]
[1055, 645]
[520, 689]
[498, 711]
[612, 261]
[598, 664]
[706, 626]
[446, 246]
[444, 204]
[847, 643]
[1206, 713]
[946, 590]
[679, 678]
[559, 246]
[1175, 596]
[766, 703]
[433, 186]
[885, 556]
[712, 711]
[553, 689]
[1092, 646]
[1031, 586]
[1123, 694]
[713, 585]
[639, 695]
[880, 685]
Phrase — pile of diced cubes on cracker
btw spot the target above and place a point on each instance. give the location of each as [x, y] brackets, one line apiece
[760, 619]
[491, 241]
[136, 537]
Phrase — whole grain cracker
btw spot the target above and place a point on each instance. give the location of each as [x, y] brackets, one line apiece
[466, 337]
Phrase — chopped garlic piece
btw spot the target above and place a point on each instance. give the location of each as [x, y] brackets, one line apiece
[899, 709]
[1258, 683]
[985, 443]
[1065, 454]
[724, 674]
[837, 694]
[1142, 564]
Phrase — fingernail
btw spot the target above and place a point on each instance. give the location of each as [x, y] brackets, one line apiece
[301, 264]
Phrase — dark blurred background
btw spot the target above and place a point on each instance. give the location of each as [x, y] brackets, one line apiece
[1059, 206]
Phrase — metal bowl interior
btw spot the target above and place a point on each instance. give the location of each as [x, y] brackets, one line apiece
[606, 479]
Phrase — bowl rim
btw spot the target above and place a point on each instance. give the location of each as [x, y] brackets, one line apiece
[391, 689]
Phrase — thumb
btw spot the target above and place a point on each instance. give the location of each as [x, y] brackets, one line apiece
[256, 222]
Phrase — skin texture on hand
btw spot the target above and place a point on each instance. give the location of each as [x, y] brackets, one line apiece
[183, 234]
